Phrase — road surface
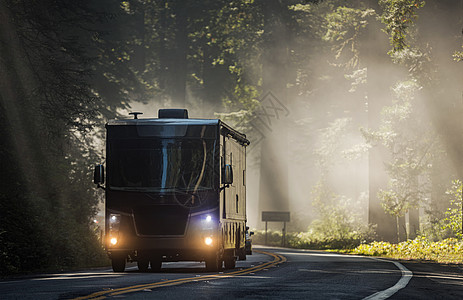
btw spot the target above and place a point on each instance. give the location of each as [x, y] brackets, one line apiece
[270, 273]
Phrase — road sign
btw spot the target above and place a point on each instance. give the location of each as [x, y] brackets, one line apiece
[275, 216]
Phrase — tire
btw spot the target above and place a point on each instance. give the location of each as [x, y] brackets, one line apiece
[156, 265]
[143, 264]
[230, 263]
[118, 263]
[242, 254]
[214, 264]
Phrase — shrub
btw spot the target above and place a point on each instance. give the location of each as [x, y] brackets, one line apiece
[314, 240]
[445, 251]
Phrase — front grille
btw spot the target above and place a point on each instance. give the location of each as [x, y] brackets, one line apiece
[160, 219]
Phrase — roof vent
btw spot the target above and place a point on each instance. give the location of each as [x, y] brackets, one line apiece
[173, 114]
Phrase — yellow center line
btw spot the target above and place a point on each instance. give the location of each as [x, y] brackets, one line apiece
[278, 259]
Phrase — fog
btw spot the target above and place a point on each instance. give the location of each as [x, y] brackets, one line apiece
[353, 110]
[313, 134]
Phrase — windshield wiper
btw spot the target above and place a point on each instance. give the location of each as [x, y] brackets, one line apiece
[158, 190]
[186, 192]
[193, 201]
[134, 189]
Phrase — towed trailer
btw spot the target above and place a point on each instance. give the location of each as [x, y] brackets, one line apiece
[175, 191]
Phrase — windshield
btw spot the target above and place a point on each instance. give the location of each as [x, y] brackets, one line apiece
[161, 164]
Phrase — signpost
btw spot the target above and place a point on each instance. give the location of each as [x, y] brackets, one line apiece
[276, 216]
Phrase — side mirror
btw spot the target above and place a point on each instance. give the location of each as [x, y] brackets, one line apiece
[227, 175]
[251, 233]
[98, 175]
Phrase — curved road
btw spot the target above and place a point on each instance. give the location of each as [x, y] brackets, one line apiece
[270, 273]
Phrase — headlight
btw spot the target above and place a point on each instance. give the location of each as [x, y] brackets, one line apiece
[114, 224]
[208, 241]
[207, 222]
[114, 221]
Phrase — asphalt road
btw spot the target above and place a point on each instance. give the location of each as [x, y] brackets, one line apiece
[271, 273]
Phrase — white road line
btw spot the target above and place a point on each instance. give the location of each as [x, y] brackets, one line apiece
[403, 281]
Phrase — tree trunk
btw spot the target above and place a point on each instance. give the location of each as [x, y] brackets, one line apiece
[413, 223]
[374, 49]
[401, 229]
[273, 188]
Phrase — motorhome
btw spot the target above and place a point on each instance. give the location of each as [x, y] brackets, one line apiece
[175, 190]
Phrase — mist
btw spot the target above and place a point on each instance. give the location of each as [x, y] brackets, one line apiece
[315, 132]
[353, 109]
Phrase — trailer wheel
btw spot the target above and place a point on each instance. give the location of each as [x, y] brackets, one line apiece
[214, 264]
[156, 265]
[118, 263]
[143, 264]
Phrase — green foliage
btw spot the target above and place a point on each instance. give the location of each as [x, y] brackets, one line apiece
[412, 145]
[65, 71]
[432, 226]
[454, 212]
[395, 203]
[414, 153]
[274, 238]
[312, 240]
[344, 27]
[47, 108]
[446, 251]
[419, 64]
[338, 221]
[399, 15]
[339, 225]
[328, 152]
[458, 55]
[358, 77]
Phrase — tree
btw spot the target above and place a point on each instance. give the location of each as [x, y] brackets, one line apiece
[399, 15]
[412, 146]
[417, 53]
[48, 108]
[453, 221]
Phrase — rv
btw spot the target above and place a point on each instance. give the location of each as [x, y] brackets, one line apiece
[175, 191]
